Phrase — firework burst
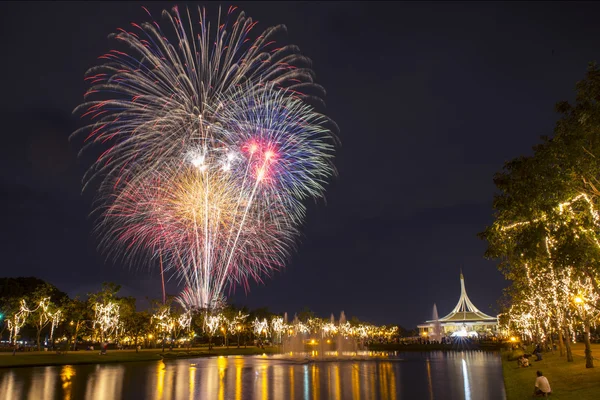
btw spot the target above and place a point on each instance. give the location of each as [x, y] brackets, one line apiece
[207, 147]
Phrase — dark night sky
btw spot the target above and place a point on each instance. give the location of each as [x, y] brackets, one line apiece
[431, 99]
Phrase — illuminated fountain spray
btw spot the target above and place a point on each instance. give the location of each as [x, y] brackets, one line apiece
[345, 343]
[293, 342]
[319, 340]
[436, 333]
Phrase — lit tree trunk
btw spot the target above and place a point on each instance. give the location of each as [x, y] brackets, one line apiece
[589, 360]
[560, 341]
[39, 333]
[568, 344]
[550, 342]
[75, 337]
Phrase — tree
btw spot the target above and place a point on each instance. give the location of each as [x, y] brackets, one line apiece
[18, 288]
[127, 315]
[547, 222]
[305, 314]
[106, 307]
[236, 324]
[77, 313]
[8, 308]
[44, 313]
[17, 319]
[137, 324]
[260, 328]
[212, 323]
[162, 320]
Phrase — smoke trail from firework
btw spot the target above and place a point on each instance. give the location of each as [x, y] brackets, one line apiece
[208, 148]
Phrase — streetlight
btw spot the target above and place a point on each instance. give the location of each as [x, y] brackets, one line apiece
[580, 300]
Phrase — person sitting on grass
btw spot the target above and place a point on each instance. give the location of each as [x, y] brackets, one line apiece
[523, 362]
[542, 386]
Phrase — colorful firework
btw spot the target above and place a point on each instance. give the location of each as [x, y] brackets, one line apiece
[208, 146]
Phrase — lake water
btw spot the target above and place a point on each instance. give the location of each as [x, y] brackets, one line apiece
[469, 375]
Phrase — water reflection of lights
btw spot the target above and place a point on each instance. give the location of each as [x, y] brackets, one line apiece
[355, 382]
[466, 380]
[291, 385]
[393, 390]
[222, 365]
[9, 384]
[264, 378]
[336, 386]
[265, 384]
[279, 383]
[105, 383]
[181, 381]
[306, 383]
[192, 379]
[66, 373]
[43, 387]
[369, 376]
[239, 364]
[383, 387]
[160, 380]
[316, 383]
[429, 381]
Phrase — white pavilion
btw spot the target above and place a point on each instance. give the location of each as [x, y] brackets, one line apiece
[464, 320]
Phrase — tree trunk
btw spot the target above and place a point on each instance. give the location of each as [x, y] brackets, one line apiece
[548, 334]
[568, 344]
[589, 360]
[76, 334]
[39, 333]
[560, 342]
[238, 346]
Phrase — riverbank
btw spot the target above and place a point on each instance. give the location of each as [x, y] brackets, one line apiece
[43, 358]
[458, 346]
[569, 381]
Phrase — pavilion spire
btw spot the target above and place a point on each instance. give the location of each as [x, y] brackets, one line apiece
[464, 304]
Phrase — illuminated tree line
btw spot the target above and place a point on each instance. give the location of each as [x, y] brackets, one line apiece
[105, 317]
[546, 229]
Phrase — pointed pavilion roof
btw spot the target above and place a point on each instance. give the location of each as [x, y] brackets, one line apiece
[465, 310]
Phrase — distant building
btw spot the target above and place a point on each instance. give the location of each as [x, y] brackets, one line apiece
[464, 320]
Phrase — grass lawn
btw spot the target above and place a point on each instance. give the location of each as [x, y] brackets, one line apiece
[40, 358]
[567, 380]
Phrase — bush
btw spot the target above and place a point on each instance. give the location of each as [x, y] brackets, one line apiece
[515, 354]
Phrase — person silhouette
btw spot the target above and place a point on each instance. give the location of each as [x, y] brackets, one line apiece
[542, 386]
